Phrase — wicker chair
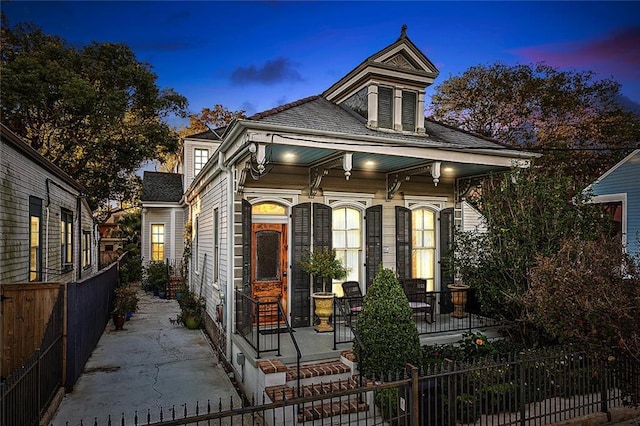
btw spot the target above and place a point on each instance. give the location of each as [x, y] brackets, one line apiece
[352, 298]
[419, 299]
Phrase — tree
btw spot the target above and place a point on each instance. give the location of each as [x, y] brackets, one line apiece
[588, 294]
[527, 216]
[95, 111]
[573, 119]
[215, 118]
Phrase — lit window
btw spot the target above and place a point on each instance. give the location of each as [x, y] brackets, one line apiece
[66, 239]
[200, 159]
[35, 239]
[347, 240]
[268, 209]
[157, 243]
[423, 245]
[86, 249]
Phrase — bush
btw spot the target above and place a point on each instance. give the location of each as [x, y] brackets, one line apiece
[386, 329]
[126, 300]
[130, 269]
[191, 306]
[155, 276]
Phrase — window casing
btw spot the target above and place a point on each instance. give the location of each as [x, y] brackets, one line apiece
[200, 157]
[423, 250]
[86, 249]
[157, 243]
[347, 239]
[35, 239]
[66, 239]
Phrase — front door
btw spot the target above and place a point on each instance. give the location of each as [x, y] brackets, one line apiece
[269, 268]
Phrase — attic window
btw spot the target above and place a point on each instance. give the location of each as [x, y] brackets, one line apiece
[358, 103]
[385, 107]
[200, 157]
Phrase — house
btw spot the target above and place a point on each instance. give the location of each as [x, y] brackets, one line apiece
[619, 191]
[111, 244]
[47, 227]
[357, 169]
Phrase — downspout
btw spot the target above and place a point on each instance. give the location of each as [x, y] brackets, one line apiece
[231, 265]
[79, 237]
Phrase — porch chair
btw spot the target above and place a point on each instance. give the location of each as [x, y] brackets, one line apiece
[352, 298]
[419, 299]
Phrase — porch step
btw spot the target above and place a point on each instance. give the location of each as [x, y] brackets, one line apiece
[282, 392]
[330, 409]
[317, 369]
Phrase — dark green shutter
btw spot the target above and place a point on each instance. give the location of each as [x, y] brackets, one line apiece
[446, 245]
[300, 284]
[322, 233]
[246, 246]
[403, 242]
[385, 107]
[373, 242]
[409, 111]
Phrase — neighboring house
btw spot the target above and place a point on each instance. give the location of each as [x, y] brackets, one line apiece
[47, 228]
[357, 169]
[619, 190]
[111, 243]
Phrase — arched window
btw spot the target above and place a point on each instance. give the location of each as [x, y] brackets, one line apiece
[423, 251]
[267, 208]
[347, 239]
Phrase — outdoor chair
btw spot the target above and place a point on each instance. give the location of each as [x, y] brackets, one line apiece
[352, 298]
[419, 299]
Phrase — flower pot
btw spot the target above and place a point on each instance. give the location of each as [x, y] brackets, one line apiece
[162, 294]
[118, 321]
[192, 322]
[459, 299]
[156, 292]
[323, 303]
[128, 316]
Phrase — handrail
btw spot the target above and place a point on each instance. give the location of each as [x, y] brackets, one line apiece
[295, 344]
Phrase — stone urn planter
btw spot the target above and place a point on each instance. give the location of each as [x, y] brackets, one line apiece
[323, 302]
[459, 299]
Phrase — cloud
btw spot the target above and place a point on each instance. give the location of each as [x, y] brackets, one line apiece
[275, 71]
[616, 53]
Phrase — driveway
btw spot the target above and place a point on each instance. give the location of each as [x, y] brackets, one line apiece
[153, 363]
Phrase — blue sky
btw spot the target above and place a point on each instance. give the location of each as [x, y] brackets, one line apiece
[257, 55]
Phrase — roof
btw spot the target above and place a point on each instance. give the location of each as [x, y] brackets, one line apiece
[614, 168]
[215, 135]
[159, 186]
[36, 157]
[319, 114]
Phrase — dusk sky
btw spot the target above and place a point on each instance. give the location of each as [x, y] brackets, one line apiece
[257, 55]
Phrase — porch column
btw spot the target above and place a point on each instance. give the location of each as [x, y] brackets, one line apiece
[420, 125]
[372, 102]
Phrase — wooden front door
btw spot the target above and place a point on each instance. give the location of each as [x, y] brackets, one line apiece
[269, 268]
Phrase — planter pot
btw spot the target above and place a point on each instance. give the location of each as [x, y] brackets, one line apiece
[323, 303]
[118, 321]
[192, 322]
[162, 294]
[178, 295]
[128, 315]
[459, 299]
[156, 292]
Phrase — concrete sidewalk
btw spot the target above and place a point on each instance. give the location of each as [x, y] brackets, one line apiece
[152, 363]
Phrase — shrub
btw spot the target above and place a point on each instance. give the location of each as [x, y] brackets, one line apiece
[126, 300]
[155, 276]
[191, 305]
[386, 329]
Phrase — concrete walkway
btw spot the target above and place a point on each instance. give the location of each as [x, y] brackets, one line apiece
[152, 363]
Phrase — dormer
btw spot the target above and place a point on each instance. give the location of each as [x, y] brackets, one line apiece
[388, 88]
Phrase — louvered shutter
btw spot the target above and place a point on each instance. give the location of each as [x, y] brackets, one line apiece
[409, 111]
[322, 219]
[300, 284]
[246, 246]
[446, 245]
[385, 107]
[403, 242]
[373, 242]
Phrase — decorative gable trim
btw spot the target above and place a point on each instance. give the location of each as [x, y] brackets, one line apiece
[400, 61]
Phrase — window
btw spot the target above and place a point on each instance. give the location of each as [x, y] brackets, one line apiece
[408, 111]
[66, 239]
[35, 239]
[200, 157]
[157, 243]
[216, 243]
[267, 209]
[423, 250]
[86, 249]
[108, 247]
[385, 107]
[347, 239]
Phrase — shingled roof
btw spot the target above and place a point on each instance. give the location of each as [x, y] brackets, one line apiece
[158, 186]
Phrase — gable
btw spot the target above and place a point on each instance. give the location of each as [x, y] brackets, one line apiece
[620, 178]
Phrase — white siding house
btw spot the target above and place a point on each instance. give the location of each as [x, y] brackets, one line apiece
[46, 226]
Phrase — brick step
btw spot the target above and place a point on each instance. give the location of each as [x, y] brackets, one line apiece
[310, 412]
[282, 392]
[317, 369]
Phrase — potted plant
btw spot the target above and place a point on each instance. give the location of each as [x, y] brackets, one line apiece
[323, 263]
[191, 309]
[126, 301]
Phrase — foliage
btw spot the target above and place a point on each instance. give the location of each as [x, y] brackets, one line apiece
[588, 294]
[191, 305]
[574, 119]
[129, 228]
[95, 111]
[386, 329]
[527, 216]
[155, 276]
[387, 402]
[472, 345]
[323, 263]
[126, 300]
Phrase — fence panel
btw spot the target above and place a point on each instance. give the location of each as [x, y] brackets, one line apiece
[89, 304]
